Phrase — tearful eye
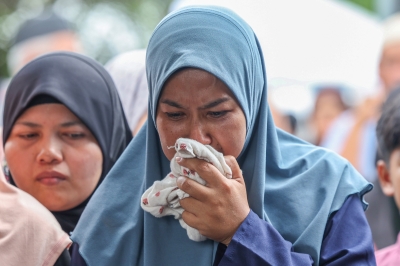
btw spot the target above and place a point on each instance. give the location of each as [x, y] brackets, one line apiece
[174, 116]
[217, 114]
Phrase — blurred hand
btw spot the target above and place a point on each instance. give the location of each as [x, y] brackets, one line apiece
[217, 209]
[370, 108]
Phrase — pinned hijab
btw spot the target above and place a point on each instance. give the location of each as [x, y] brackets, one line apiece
[29, 234]
[291, 184]
[128, 71]
[87, 90]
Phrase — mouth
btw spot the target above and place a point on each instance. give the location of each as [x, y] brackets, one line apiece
[50, 178]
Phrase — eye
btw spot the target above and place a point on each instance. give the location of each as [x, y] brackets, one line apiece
[175, 115]
[217, 114]
[28, 135]
[74, 135]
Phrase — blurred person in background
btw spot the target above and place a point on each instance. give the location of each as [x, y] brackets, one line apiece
[128, 71]
[353, 136]
[45, 33]
[329, 104]
[283, 120]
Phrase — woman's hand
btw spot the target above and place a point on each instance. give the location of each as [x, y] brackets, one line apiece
[217, 209]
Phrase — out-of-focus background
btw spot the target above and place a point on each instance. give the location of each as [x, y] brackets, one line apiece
[308, 44]
[105, 28]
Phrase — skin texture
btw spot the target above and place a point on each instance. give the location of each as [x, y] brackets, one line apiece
[53, 156]
[195, 104]
[389, 176]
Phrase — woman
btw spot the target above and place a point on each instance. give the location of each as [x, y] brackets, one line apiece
[288, 202]
[30, 235]
[128, 71]
[64, 128]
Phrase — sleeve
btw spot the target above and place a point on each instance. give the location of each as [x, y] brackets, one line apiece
[348, 238]
[347, 241]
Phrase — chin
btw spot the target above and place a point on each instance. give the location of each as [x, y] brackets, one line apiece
[55, 206]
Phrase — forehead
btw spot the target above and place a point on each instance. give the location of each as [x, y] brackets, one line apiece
[195, 85]
[46, 111]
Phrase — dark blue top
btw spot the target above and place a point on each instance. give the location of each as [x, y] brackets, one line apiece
[347, 241]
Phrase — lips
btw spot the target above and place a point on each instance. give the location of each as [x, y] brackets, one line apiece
[50, 178]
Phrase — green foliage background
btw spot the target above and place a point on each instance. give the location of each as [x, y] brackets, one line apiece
[144, 15]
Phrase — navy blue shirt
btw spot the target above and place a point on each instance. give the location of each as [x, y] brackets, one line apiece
[347, 241]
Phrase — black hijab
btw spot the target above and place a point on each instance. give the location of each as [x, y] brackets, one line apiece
[87, 90]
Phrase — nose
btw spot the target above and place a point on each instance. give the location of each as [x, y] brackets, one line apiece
[200, 133]
[50, 151]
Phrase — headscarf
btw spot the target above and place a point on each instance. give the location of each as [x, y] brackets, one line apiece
[87, 90]
[291, 184]
[47, 22]
[29, 234]
[128, 71]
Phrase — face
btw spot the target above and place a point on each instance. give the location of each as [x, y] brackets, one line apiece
[195, 104]
[58, 41]
[389, 176]
[389, 68]
[53, 156]
[327, 108]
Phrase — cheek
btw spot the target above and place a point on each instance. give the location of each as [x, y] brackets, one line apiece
[232, 143]
[15, 156]
[86, 165]
[168, 134]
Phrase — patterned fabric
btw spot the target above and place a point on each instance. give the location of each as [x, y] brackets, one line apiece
[162, 198]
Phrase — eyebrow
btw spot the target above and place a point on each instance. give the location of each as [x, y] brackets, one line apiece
[34, 125]
[172, 103]
[206, 106]
[215, 103]
[72, 123]
[28, 124]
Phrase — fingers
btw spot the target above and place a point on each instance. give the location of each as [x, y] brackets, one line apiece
[192, 205]
[191, 187]
[233, 164]
[205, 170]
[193, 215]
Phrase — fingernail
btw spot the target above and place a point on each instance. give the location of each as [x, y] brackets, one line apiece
[180, 180]
[178, 159]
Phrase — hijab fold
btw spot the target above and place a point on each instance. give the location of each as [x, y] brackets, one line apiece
[87, 90]
[291, 184]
